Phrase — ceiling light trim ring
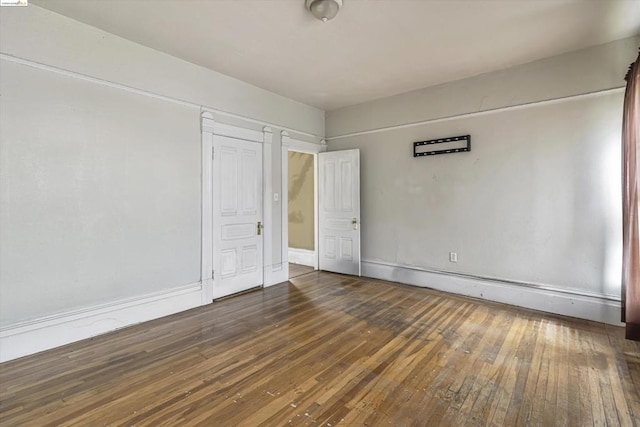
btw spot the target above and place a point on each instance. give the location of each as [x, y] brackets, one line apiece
[324, 10]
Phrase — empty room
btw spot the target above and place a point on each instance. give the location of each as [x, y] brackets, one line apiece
[319, 212]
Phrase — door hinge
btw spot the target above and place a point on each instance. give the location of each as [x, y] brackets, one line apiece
[213, 274]
[213, 153]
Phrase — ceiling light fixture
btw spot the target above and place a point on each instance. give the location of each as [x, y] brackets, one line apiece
[324, 10]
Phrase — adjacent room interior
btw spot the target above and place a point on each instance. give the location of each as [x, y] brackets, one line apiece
[319, 212]
[302, 194]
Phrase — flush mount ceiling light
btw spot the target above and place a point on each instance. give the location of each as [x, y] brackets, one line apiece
[324, 10]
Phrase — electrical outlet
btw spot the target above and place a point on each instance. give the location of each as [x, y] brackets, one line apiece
[453, 256]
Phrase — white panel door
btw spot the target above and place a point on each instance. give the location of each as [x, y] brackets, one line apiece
[339, 211]
[237, 215]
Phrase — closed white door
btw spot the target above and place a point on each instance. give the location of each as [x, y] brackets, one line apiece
[339, 211]
[237, 216]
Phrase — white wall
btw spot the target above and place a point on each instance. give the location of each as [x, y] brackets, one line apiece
[535, 203]
[100, 194]
[101, 165]
[40, 35]
[574, 73]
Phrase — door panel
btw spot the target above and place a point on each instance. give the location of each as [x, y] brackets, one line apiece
[339, 211]
[237, 210]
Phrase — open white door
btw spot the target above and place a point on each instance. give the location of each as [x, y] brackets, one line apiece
[237, 216]
[339, 211]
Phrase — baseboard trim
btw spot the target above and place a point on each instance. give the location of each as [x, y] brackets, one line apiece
[599, 308]
[41, 334]
[302, 256]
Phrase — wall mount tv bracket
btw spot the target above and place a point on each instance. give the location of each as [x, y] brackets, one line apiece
[454, 144]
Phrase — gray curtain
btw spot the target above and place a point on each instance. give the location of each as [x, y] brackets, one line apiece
[630, 214]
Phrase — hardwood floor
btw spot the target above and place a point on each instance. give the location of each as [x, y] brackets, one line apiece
[326, 349]
[296, 270]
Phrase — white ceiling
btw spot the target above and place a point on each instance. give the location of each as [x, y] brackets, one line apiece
[372, 49]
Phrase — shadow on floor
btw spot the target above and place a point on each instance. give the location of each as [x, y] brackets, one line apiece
[296, 270]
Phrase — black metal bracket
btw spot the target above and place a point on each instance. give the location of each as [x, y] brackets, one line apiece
[456, 147]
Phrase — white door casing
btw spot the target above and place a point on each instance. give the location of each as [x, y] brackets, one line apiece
[237, 215]
[339, 211]
[274, 270]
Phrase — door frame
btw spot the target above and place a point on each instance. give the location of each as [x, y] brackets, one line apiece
[209, 129]
[292, 144]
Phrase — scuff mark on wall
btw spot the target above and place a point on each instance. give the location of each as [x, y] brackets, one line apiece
[305, 166]
[301, 201]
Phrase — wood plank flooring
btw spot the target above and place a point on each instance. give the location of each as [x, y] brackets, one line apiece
[327, 350]
[296, 270]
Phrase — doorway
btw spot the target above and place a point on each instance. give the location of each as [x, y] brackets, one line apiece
[302, 212]
[336, 207]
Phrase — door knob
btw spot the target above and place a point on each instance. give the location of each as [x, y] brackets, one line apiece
[354, 222]
[260, 228]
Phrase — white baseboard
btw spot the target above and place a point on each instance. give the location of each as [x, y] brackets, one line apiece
[52, 331]
[48, 332]
[599, 308]
[275, 274]
[302, 256]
